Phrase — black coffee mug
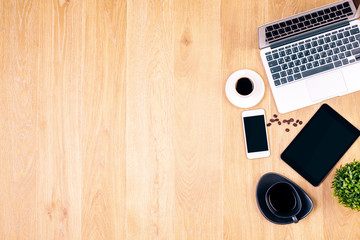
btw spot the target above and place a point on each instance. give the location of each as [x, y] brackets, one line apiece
[244, 86]
[283, 200]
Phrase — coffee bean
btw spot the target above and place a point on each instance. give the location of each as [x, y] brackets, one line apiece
[300, 122]
[279, 123]
[276, 119]
[272, 120]
[291, 120]
[269, 124]
[275, 116]
[287, 130]
[295, 125]
[284, 121]
[297, 121]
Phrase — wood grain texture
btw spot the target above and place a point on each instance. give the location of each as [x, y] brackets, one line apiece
[150, 193]
[103, 120]
[58, 180]
[115, 124]
[197, 118]
[19, 71]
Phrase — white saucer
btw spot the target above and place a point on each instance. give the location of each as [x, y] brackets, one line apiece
[245, 101]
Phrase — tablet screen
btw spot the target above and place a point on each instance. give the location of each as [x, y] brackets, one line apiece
[320, 144]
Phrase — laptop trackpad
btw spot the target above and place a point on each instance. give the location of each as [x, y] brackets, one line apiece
[326, 85]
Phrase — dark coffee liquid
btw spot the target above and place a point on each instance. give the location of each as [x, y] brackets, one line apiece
[244, 86]
[282, 198]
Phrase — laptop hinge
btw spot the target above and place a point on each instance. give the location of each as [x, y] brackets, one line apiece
[309, 34]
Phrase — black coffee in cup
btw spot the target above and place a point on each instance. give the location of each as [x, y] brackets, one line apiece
[244, 86]
[282, 198]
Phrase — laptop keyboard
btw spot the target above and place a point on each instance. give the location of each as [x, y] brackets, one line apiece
[311, 56]
[307, 22]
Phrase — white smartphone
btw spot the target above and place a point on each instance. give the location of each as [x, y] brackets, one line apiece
[256, 137]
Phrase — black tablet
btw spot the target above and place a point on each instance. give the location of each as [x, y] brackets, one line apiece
[320, 144]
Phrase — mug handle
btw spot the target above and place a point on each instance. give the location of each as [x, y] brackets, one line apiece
[295, 220]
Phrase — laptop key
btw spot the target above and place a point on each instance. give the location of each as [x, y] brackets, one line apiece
[354, 31]
[297, 76]
[345, 61]
[283, 80]
[276, 76]
[290, 78]
[338, 64]
[340, 35]
[277, 83]
[318, 70]
[273, 63]
[355, 51]
[275, 69]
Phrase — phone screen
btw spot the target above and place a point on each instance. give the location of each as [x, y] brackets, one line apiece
[255, 134]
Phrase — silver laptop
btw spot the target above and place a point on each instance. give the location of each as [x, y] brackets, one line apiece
[312, 56]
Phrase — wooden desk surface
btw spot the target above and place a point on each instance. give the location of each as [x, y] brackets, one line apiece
[115, 125]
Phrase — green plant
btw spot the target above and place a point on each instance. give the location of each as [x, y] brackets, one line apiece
[346, 185]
